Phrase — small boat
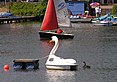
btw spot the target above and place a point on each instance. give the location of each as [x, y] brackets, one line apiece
[103, 23]
[94, 20]
[81, 18]
[109, 21]
[114, 21]
[5, 14]
[25, 64]
[56, 16]
[58, 63]
[106, 20]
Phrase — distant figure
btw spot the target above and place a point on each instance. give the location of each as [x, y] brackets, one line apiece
[86, 66]
[59, 31]
[98, 11]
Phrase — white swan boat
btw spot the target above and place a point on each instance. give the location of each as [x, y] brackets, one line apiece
[55, 62]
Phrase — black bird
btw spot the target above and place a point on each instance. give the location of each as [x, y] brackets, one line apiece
[86, 66]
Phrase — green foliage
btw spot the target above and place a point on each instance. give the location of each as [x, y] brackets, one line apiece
[28, 9]
[114, 9]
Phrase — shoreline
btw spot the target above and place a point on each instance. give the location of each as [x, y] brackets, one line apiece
[107, 7]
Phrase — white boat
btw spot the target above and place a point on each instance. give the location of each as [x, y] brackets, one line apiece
[5, 14]
[56, 16]
[58, 63]
[114, 21]
[103, 23]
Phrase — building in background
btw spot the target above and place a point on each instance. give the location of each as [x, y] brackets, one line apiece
[76, 7]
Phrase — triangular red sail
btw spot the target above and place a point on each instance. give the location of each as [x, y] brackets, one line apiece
[50, 18]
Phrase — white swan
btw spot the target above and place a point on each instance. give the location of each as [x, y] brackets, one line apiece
[55, 62]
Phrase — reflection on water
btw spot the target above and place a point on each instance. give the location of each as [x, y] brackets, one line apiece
[61, 76]
[96, 45]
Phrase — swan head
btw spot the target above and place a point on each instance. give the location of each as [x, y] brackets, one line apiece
[54, 38]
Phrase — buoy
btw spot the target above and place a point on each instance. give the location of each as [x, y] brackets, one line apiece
[6, 67]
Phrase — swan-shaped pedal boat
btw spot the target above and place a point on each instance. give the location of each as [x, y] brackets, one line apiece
[55, 62]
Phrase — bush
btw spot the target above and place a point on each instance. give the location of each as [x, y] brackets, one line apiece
[28, 9]
[114, 9]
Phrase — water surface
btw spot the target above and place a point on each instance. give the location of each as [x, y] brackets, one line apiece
[96, 45]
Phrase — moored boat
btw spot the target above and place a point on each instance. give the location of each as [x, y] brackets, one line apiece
[103, 23]
[106, 20]
[101, 18]
[114, 21]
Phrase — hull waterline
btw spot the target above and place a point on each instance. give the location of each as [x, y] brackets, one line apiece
[48, 35]
[102, 23]
[82, 20]
[62, 67]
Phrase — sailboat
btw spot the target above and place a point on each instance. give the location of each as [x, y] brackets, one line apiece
[56, 16]
[59, 63]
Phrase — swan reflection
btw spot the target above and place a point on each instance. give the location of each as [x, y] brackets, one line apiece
[61, 76]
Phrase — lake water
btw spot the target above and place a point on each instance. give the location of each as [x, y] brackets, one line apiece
[96, 45]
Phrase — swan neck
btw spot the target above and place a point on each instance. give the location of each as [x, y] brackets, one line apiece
[54, 49]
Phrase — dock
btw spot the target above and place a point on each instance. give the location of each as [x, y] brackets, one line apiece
[82, 20]
[17, 19]
[25, 64]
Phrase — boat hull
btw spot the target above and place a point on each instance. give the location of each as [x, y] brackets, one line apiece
[82, 20]
[48, 35]
[62, 67]
[102, 23]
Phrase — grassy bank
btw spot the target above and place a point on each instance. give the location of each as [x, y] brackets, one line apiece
[36, 9]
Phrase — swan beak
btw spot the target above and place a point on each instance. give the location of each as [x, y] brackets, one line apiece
[50, 41]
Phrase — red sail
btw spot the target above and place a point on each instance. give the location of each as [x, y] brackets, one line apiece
[50, 18]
